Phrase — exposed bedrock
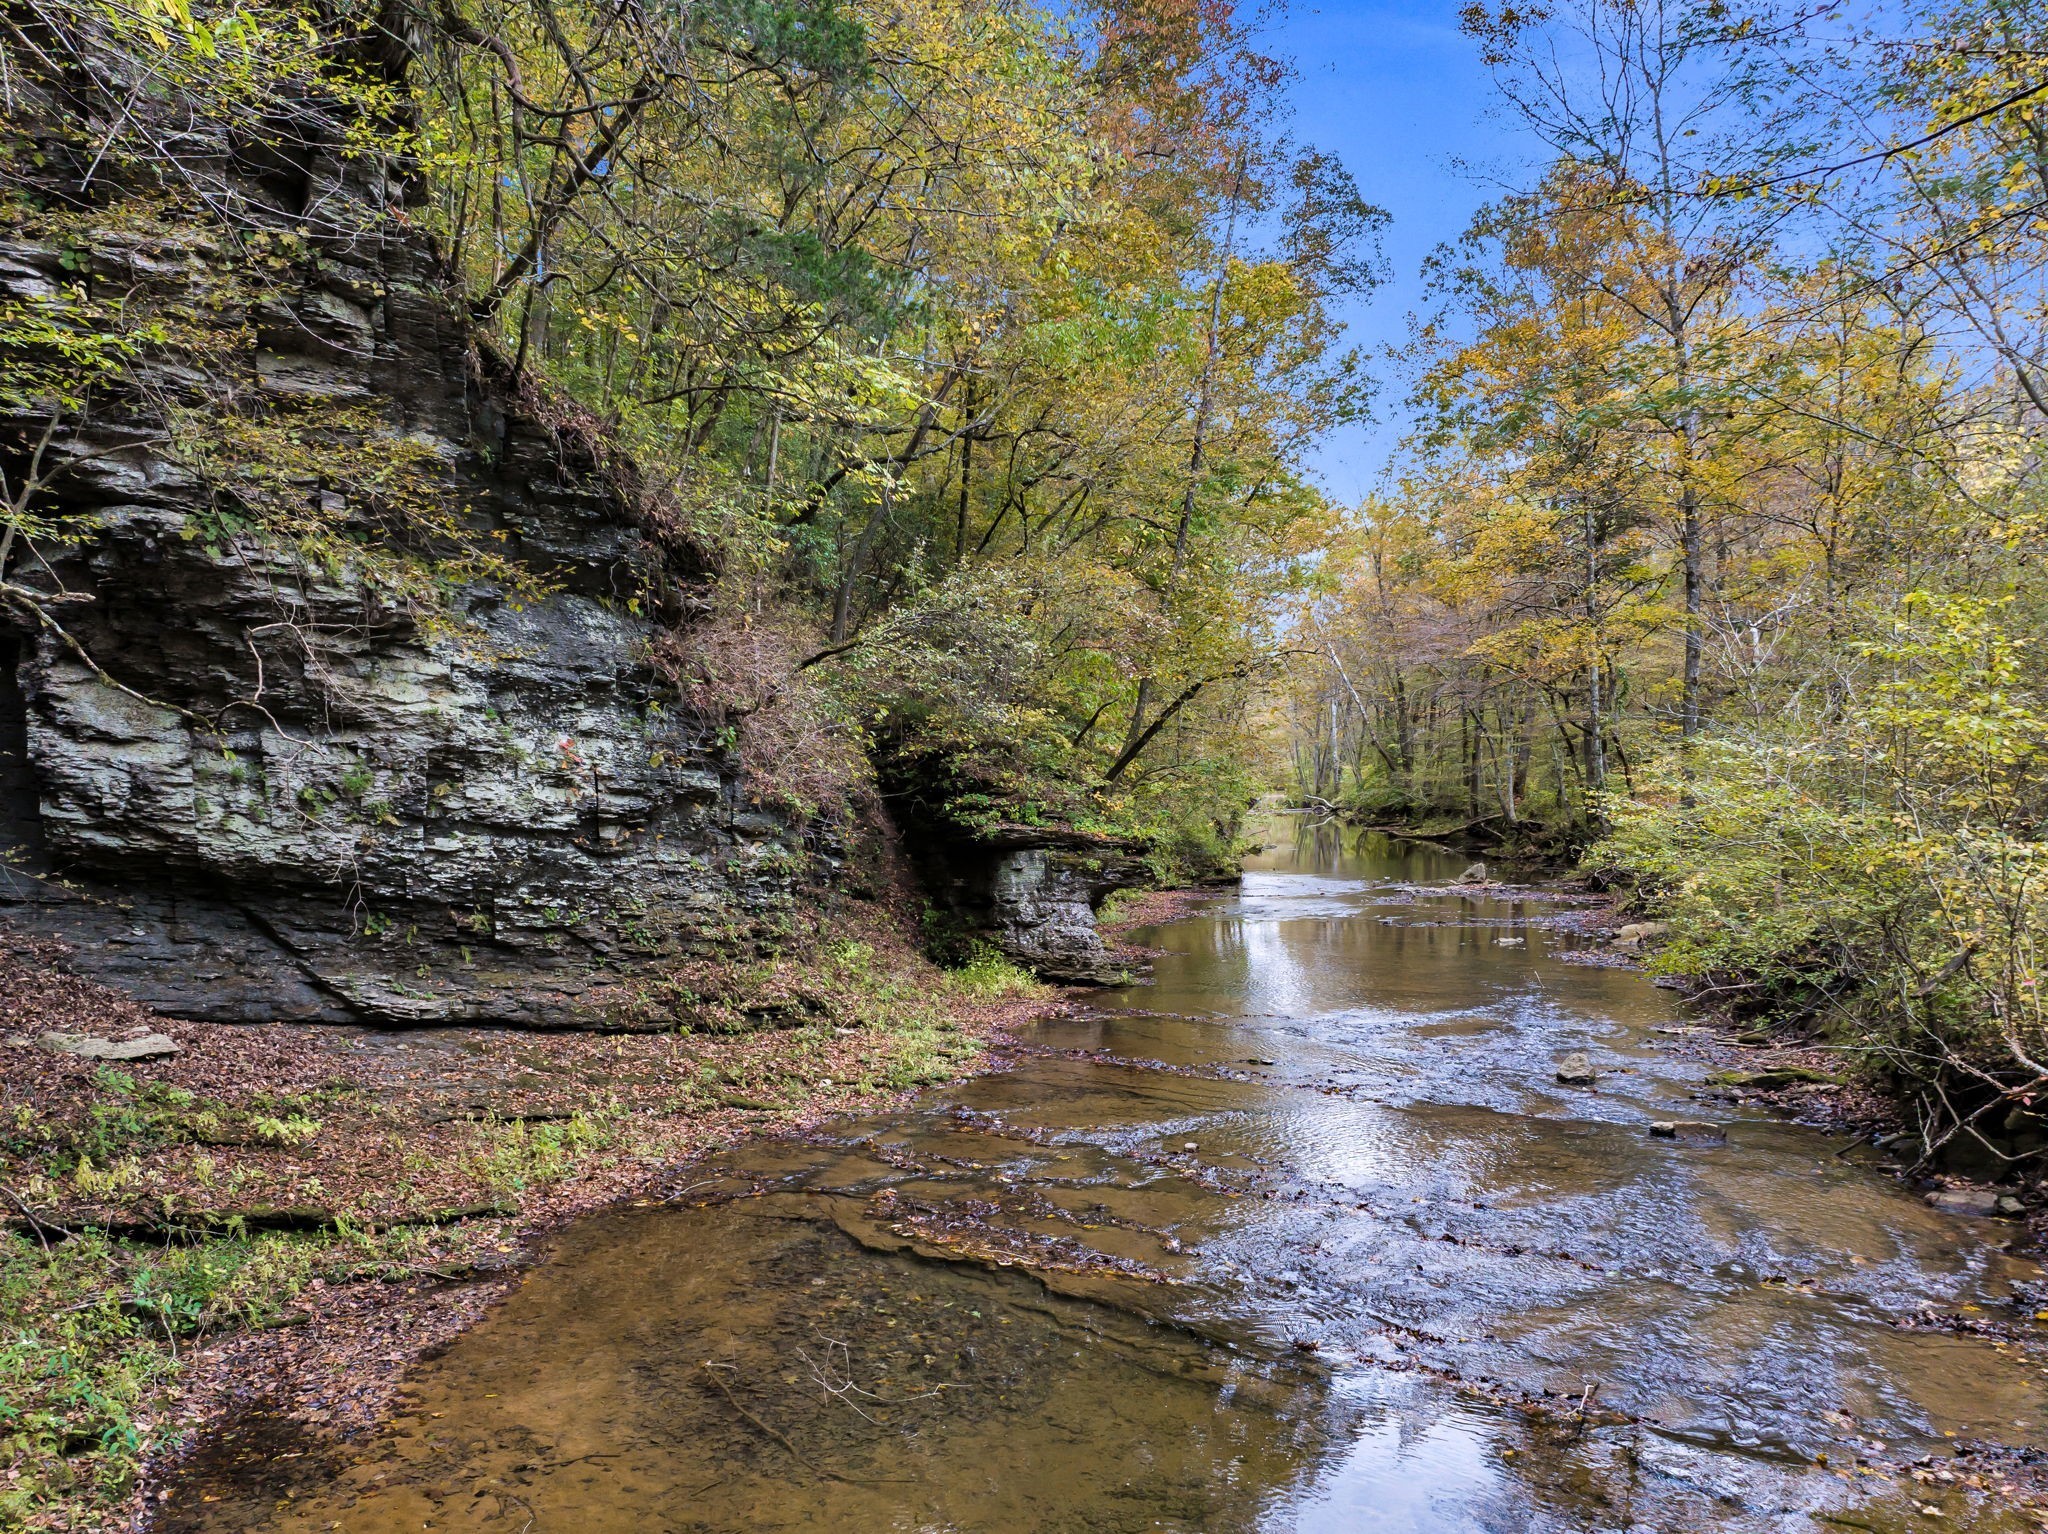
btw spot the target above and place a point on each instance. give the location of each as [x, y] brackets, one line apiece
[1032, 893]
[246, 787]
[246, 776]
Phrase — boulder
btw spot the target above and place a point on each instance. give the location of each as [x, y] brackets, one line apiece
[1576, 1069]
[1774, 1079]
[1031, 892]
[1910, 1146]
[1639, 935]
[1973, 1201]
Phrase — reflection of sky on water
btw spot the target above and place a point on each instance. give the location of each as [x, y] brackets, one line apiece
[1433, 1047]
[1298, 897]
[1357, 1141]
[1404, 1473]
[1279, 978]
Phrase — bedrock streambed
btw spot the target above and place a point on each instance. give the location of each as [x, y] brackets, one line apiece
[1303, 1236]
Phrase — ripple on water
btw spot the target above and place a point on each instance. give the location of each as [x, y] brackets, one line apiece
[1304, 1236]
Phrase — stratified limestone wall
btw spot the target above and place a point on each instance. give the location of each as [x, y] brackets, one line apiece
[1032, 893]
[279, 796]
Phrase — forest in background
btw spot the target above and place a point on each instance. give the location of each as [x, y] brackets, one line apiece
[975, 349]
[1715, 553]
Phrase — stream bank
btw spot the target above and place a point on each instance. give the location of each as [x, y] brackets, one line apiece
[292, 1216]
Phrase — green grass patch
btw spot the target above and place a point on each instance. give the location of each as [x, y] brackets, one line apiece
[91, 1330]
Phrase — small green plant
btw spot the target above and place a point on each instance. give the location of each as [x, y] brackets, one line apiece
[850, 958]
[245, 1280]
[988, 975]
[519, 1154]
[98, 1182]
[1114, 903]
[132, 1117]
[77, 1372]
[289, 1130]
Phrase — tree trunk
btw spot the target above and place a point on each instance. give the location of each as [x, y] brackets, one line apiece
[856, 561]
[1596, 720]
[1197, 455]
[966, 477]
[1695, 641]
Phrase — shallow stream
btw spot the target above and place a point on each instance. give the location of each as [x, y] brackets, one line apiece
[1305, 1235]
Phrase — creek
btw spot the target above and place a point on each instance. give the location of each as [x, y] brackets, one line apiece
[1303, 1235]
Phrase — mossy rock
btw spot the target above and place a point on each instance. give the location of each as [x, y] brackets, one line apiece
[1776, 1079]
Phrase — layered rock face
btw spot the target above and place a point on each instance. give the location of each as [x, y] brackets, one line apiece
[1041, 913]
[1032, 894]
[246, 786]
[247, 772]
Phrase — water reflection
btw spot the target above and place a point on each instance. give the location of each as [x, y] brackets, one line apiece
[1305, 1235]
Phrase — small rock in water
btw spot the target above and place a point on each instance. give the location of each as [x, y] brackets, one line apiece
[1508, 942]
[1191, 1146]
[1476, 874]
[151, 1046]
[1965, 1201]
[2007, 1204]
[1576, 1069]
[1689, 1129]
[1774, 1079]
[1259, 1060]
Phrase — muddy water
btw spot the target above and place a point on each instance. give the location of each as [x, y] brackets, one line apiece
[1303, 1236]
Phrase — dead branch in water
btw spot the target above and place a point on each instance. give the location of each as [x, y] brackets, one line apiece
[711, 1372]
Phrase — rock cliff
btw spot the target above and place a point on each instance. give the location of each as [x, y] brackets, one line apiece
[342, 669]
[1032, 892]
[246, 782]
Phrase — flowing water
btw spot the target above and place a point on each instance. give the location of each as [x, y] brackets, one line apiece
[1305, 1235]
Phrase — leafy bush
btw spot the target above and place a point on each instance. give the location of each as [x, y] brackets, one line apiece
[987, 975]
[1880, 881]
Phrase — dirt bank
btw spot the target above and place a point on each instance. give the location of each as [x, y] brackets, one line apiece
[296, 1214]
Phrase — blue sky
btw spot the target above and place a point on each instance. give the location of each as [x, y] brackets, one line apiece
[1394, 90]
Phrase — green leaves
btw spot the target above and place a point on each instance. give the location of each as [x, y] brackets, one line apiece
[57, 348]
[820, 36]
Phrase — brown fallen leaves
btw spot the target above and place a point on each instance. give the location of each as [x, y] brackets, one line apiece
[465, 1142]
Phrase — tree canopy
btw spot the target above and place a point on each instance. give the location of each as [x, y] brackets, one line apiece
[976, 347]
